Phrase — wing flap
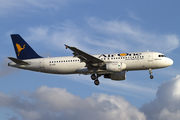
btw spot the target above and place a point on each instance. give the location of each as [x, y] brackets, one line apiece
[19, 62]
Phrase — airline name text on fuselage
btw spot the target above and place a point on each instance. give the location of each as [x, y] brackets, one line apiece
[121, 55]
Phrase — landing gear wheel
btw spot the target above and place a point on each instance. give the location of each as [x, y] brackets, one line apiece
[151, 76]
[93, 77]
[150, 72]
[96, 82]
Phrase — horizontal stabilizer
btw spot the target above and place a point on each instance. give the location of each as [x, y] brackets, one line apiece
[19, 62]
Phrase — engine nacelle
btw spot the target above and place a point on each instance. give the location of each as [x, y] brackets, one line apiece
[115, 67]
[116, 76]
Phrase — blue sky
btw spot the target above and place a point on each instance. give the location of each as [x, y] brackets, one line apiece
[95, 27]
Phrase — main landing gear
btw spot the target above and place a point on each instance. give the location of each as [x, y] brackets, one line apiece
[150, 72]
[95, 78]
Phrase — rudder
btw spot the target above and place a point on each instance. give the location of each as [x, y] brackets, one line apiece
[22, 49]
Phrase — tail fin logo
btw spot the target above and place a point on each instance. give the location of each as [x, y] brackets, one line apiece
[19, 48]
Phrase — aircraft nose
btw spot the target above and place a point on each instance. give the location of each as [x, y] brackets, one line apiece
[170, 61]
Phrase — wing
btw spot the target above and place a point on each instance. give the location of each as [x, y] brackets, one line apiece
[84, 57]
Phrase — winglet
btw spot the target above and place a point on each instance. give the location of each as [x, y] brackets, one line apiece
[67, 46]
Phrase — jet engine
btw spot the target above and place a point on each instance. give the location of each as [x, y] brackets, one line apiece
[114, 67]
[116, 76]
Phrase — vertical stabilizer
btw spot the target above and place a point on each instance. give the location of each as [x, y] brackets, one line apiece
[22, 49]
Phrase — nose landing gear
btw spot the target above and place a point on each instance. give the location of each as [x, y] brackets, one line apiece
[150, 72]
[95, 78]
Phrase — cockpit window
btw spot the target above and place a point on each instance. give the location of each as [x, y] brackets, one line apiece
[162, 56]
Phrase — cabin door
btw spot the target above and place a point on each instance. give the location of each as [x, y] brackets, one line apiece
[150, 57]
[41, 63]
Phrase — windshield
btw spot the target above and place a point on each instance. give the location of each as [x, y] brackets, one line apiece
[162, 56]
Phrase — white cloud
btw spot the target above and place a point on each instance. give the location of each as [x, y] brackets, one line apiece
[44, 4]
[168, 115]
[105, 37]
[127, 88]
[17, 6]
[39, 33]
[58, 35]
[166, 106]
[56, 103]
[133, 15]
[132, 37]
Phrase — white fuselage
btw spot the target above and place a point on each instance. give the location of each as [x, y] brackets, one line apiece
[73, 65]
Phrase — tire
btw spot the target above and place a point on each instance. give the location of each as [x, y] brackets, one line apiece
[151, 76]
[93, 77]
[96, 82]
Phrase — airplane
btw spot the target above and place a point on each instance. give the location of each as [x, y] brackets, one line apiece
[112, 66]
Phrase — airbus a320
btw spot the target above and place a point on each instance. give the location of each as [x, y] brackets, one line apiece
[111, 66]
